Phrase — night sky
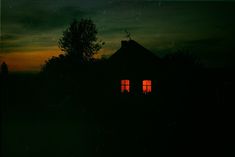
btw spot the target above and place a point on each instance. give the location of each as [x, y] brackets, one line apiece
[30, 29]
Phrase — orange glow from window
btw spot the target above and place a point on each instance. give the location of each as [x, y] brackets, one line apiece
[125, 86]
[147, 86]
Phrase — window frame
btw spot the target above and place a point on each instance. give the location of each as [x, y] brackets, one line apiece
[146, 86]
[125, 86]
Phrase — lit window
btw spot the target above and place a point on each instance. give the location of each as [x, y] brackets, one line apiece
[147, 86]
[125, 86]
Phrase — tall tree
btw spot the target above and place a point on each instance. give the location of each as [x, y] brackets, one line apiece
[79, 44]
[79, 40]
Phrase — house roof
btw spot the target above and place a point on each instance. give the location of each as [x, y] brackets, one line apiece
[132, 58]
[132, 51]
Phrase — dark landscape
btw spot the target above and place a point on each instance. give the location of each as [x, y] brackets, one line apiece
[135, 102]
[191, 113]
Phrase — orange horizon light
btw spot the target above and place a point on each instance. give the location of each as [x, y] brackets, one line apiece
[27, 61]
[125, 86]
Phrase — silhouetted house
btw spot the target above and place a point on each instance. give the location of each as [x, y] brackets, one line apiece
[134, 69]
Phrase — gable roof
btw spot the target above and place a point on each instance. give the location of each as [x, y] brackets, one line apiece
[132, 51]
[133, 59]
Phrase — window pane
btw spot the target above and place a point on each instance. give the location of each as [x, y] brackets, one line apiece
[149, 89]
[122, 88]
[125, 82]
[147, 86]
[144, 89]
[125, 86]
[147, 82]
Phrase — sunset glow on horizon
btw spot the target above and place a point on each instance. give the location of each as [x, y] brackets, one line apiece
[28, 61]
[33, 61]
[29, 35]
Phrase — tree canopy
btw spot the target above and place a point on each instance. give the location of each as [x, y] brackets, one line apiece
[79, 43]
[79, 40]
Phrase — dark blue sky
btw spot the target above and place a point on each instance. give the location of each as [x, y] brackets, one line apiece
[30, 29]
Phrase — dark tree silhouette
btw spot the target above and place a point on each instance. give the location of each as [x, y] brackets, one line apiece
[79, 40]
[79, 44]
[4, 69]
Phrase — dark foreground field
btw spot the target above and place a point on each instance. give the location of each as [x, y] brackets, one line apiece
[36, 122]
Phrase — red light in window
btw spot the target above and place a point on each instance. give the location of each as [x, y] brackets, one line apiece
[125, 86]
[147, 86]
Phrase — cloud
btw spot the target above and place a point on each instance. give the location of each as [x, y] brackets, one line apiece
[26, 43]
[37, 25]
[41, 19]
[9, 37]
